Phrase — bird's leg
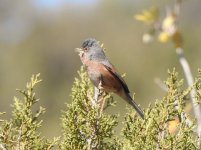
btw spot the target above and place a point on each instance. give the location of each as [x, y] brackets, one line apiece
[100, 86]
[96, 94]
[102, 99]
[98, 91]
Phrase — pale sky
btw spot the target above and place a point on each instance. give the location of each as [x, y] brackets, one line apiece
[57, 3]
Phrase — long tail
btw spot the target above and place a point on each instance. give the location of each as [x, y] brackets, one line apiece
[135, 106]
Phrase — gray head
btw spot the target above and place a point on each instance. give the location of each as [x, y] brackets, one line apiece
[92, 50]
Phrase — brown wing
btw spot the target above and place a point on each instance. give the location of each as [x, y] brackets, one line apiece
[118, 77]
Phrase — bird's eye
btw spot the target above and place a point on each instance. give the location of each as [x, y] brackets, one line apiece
[85, 49]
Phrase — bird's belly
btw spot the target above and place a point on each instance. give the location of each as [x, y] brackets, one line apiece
[100, 76]
[94, 77]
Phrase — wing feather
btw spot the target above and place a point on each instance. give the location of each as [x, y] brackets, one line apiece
[118, 77]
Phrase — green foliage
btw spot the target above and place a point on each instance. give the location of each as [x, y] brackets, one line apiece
[154, 132]
[198, 87]
[20, 132]
[84, 124]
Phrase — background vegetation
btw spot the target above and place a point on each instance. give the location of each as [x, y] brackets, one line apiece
[40, 36]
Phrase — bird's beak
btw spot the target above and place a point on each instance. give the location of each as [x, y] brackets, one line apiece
[80, 51]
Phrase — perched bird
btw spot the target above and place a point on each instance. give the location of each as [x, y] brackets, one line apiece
[102, 73]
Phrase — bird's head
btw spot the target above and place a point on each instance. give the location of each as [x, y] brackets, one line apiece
[91, 50]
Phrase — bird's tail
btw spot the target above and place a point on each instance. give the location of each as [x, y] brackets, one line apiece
[135, 106]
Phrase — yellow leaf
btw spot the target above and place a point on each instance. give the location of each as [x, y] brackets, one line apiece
[148, 16]
[168, 21]
[177, 39]
[172, 125]
[141, 18]
[163, 37]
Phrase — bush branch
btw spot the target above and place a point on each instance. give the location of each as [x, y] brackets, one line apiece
[190, 82]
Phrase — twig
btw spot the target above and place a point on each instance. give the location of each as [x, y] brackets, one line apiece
[96, 95]
[102, 104]
[187, 73]
[19, 138]
[2, 147]
[177, 7]
[190, 82]
[95, 100]
[89, 144]
[161, 84]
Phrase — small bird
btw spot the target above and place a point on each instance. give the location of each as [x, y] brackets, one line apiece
[102, 73]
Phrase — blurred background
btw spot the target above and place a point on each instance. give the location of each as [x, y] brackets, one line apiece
[39, 36]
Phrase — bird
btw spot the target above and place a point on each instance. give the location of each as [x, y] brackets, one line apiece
[102, 73]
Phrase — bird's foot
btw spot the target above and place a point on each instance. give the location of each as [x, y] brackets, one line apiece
[100, 86]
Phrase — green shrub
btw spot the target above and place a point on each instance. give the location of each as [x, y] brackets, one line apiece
[85, 125]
